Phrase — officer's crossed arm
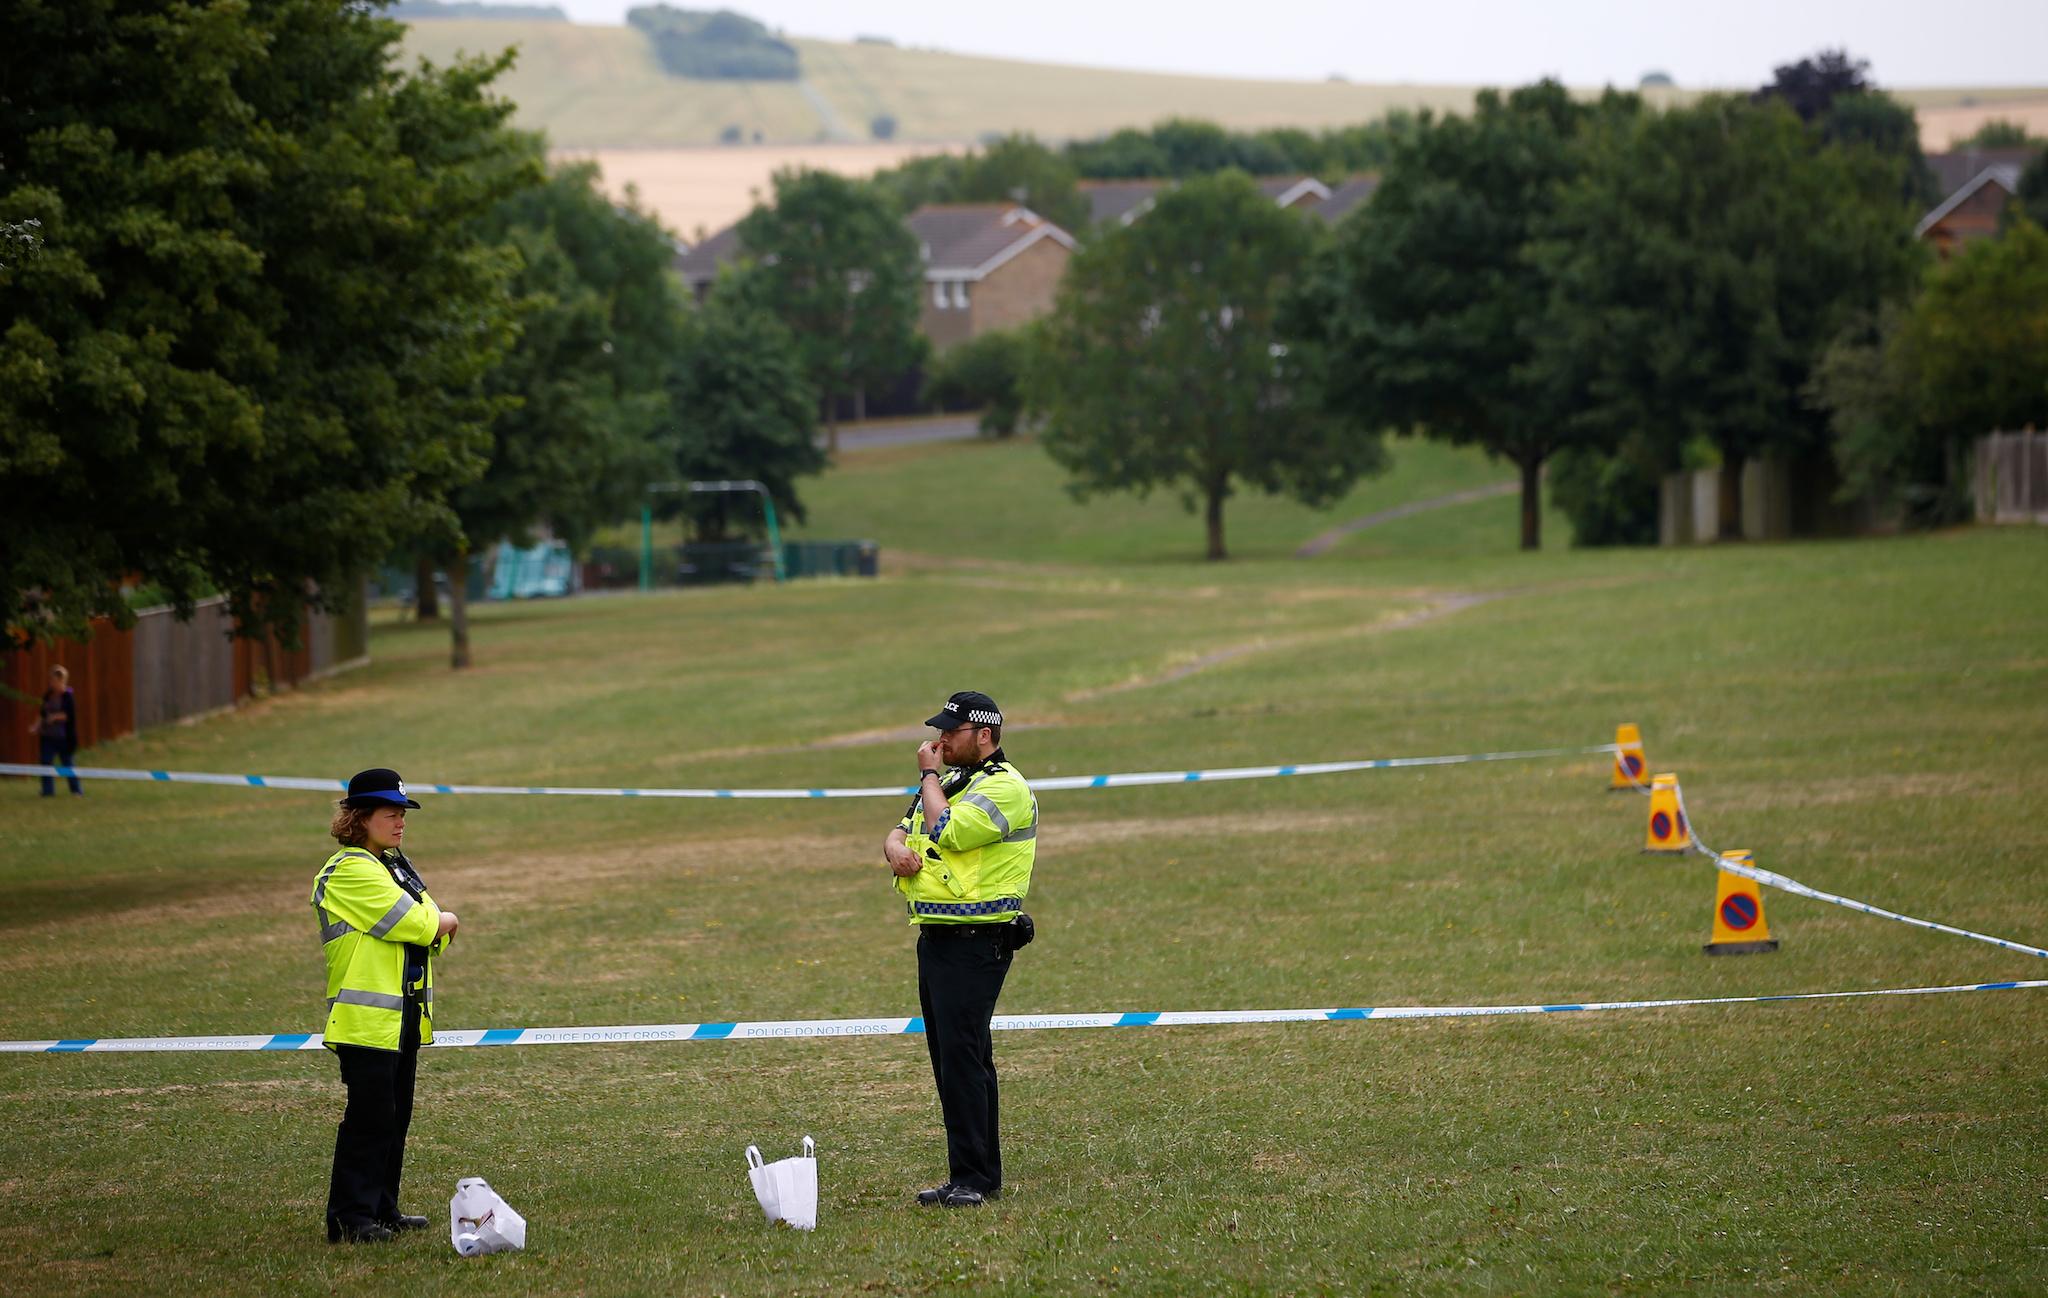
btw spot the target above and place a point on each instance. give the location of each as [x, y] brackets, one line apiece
[363, 896]
[896, 851]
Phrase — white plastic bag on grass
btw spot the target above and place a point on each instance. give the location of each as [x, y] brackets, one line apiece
[479, 1221]
[788, 1190]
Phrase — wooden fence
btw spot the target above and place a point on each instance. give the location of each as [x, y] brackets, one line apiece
[2011, 484]
[102, 678]
[165, 670]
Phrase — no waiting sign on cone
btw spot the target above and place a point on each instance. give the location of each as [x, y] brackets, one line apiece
[1739, 927]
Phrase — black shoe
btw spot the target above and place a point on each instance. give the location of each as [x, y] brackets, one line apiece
[403, 1223]
[367, 1233]
[935, 1196]
[959, 1196]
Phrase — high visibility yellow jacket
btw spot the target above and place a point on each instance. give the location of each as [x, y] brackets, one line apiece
[366, 922]
[977, 860]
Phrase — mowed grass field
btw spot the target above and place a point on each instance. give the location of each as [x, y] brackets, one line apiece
[1864, 716]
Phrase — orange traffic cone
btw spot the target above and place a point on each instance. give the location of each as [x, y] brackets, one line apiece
[1739, 927]
[1667, 831]
[1629, 762]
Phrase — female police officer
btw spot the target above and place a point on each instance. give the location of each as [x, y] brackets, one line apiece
[380, 931]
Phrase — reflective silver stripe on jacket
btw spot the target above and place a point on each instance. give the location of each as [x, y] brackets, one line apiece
[339, 928]
[320, 884]
[375, 1000]
[988, 805]
[397, 912]
[1023, 835]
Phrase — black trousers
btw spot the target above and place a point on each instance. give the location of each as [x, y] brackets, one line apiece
[369, 1146]
[960, 971]
[55, 752]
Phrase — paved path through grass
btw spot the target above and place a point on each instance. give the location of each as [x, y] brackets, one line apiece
[1328, 540]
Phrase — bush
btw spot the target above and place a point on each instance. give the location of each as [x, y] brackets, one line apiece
[982, 373]
[1610, 498]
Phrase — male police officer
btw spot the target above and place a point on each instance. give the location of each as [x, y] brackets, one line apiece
[962, 857]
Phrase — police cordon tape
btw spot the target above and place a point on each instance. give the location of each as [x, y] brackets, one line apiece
[1123, 780]
[1785, 883]
[788, 1029]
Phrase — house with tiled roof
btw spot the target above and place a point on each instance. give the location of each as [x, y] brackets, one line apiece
[1347, 198]
[1977, 184]
[1303, 192]
[1124, 201]
[699, 266]
[1119, 201]
[986, 266]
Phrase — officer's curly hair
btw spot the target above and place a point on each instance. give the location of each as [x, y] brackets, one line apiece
[351, 825]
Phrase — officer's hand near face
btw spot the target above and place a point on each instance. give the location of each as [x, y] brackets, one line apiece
[929, 758]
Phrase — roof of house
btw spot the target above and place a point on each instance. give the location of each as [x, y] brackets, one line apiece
[1958, 167]
[1119, 200]
[968, 240]
[2004, 174]
[1348, 197]
[700, 265]
[1289, 190]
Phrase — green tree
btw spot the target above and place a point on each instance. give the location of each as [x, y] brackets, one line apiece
[837, 266]
[932, 178]
[1700, 265]
[1833, 94]
[1128, 154]
[1977, 340]
[1428, 303]
[1018, 168]
[744, 403]
[249, 355]
[1907, 391]
[1014, 168]
[1163, 365]
[583, 400]
[2031, 196]
[2000, 133]
[1867, 380]
[985, 373]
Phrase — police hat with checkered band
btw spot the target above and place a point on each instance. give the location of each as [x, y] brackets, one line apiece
[968, 708]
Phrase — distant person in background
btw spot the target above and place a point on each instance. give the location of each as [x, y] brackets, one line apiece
[56, 729]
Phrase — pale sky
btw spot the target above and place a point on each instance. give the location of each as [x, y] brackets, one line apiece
[1701, 43]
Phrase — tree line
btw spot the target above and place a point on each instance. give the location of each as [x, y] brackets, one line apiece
[1593, 291]
[280, 309]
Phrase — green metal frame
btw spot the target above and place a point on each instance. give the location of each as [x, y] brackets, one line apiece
[706, 488]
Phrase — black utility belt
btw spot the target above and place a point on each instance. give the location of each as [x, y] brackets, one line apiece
[977, 929]
[1013, 934]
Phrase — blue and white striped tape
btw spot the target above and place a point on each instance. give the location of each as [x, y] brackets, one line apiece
[1127, 779]
[786, 1029]
[1785, 883]
[1771, 878]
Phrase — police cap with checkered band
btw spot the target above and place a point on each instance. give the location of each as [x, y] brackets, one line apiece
[968, 708]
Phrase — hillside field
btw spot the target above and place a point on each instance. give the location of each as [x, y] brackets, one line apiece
[1865, 716]
[599, 93]
[594, 87]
